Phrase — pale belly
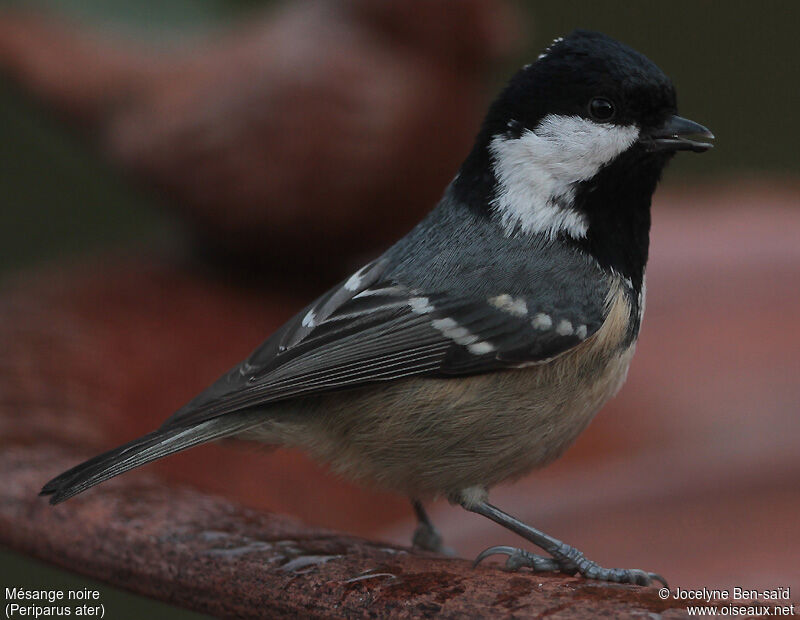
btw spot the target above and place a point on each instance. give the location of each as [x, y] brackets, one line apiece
[427, 437]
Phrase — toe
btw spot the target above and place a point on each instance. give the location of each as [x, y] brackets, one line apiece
[519, 558]
[641, 578]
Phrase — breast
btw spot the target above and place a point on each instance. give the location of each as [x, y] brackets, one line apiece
[425, 436]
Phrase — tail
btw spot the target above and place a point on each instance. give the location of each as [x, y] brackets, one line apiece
[155, 445]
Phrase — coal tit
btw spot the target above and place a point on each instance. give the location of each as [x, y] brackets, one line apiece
[480, 345]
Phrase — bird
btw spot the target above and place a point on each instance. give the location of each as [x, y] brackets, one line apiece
[480, 345]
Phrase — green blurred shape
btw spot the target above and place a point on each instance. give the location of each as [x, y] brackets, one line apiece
[158, 15]
[55, 197]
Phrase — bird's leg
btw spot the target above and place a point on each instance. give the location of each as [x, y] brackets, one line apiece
[564, 558]
[426, 536]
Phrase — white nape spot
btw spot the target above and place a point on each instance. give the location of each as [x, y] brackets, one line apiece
[481, 348]
[420, 305]
[542, 321]
[581, 331]
[507, 303]
[537, 173]
[564, 328]
[308, 319]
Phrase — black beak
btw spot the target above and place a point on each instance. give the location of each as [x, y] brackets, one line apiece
[673, 136]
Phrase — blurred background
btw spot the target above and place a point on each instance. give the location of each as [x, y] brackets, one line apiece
[179, 177]
[735, 69]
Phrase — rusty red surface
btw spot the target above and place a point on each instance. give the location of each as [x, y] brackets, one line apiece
[208, 554]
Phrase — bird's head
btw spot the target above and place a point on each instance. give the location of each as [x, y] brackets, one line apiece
[575, 144]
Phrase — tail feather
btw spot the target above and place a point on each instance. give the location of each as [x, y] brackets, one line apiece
[150, 447]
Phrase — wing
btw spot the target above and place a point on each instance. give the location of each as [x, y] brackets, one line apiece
[370, 329]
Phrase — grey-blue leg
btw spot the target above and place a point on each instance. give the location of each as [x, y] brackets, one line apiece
[564, 558]
[426, 536]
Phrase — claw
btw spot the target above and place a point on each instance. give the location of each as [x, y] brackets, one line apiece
[643, 578]
[493, 551]
[657, 577]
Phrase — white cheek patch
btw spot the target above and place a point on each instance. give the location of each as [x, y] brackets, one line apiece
[537, 172]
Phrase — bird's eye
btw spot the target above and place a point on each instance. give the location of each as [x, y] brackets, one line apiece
[601, 109]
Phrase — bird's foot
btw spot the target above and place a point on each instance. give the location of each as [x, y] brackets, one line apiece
[428, 538]
[570, 561]
[517, 558]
